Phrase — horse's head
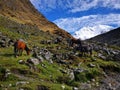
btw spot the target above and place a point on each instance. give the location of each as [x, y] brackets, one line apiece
[28, 51]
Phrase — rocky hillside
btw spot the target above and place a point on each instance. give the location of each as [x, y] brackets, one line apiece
[53, 64]
[112, 37]
[23, 11]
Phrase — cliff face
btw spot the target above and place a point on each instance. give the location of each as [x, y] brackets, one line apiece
[23, 11]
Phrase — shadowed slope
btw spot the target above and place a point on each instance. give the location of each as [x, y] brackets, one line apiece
[112, 37]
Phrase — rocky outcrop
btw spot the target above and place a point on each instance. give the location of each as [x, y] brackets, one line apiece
[106, 53]
[5, 41]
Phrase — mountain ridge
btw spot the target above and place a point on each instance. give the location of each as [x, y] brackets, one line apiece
[112, 37]
[23, 11]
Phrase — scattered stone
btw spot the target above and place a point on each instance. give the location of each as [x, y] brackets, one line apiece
[43, 65]
[10, 85]
[33, 61]
[21, 83]
[63, 87]
[91, 65]
[51, 61]
[21, 62]
[85, 86]
[71, 75]
[75, 88]
[93, 80]
[41, 59]
[117, 57]
[42, 87]
[101, 56]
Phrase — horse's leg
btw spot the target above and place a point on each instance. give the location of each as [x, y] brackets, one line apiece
[84, 53]
[21, 50]
[18, 53]
[90, 52]
[15, 51]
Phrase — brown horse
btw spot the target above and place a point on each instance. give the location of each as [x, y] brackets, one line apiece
[19, 46]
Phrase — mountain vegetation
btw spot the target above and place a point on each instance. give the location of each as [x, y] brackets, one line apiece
[53, 63]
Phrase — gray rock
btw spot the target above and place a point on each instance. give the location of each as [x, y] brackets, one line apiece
[71, 75]
[41, 59]
[101, 56]
[78, 70]
[85, 86]
[75, 88]
[48, 55]
[34, 61]
[21, 62]
[117, 57]
[91, 65]
[21, 83]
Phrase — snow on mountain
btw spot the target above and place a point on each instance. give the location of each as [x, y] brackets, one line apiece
[89, 32]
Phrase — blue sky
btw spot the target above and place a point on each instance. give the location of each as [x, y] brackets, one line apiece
[72, 15]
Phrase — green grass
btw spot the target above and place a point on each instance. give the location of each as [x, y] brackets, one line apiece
[50, 75]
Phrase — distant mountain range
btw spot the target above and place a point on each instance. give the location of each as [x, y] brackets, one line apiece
[112, 37]
[89, 32]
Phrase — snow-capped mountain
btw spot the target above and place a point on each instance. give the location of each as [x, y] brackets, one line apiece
[88, 32]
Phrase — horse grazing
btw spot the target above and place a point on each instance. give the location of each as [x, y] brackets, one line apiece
[82, 47]
[86, 49]
[19, 46]
[75, 41]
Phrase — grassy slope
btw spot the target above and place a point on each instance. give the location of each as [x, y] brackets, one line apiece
[8, 60]
[42, 77]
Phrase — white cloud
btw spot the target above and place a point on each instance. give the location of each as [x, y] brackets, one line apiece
[74, 5]
[73, 24]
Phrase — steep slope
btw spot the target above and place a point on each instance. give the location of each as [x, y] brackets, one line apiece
[112, 37]
[55, 65]
[23, 11]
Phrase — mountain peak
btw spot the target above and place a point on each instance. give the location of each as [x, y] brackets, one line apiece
[89, 32]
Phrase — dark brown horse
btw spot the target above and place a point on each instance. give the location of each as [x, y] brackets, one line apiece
[84, 48]
[19, 46]
[75, 41]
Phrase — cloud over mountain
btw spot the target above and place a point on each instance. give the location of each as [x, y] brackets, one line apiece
[76, 15]
[73, 24]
